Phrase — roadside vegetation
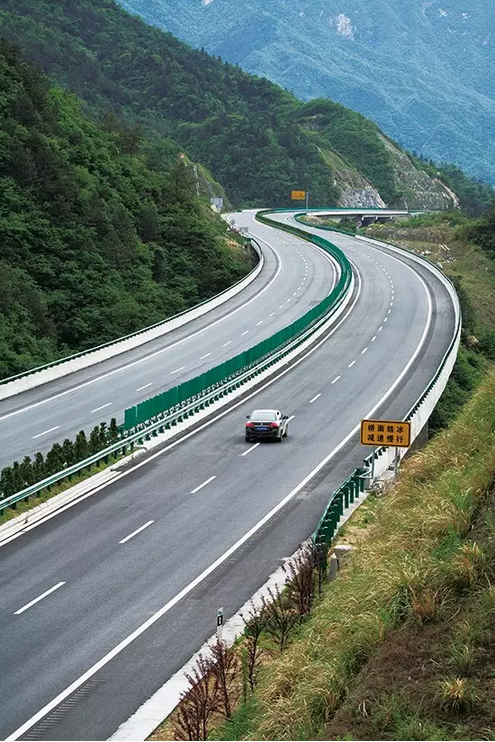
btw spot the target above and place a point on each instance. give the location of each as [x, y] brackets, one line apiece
[401, 644]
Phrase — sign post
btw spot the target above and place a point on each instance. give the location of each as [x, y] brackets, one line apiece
[388, 433]
[219, 624]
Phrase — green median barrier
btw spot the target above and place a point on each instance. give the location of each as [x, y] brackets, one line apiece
[198, 385]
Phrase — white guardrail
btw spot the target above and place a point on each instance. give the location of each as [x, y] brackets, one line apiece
[65, 366]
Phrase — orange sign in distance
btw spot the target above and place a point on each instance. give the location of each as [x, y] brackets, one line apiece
[386, 433]
[298, 195]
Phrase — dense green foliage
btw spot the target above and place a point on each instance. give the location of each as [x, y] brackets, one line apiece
[96, 241]
[251, 134]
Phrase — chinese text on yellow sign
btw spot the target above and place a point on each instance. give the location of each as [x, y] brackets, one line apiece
[298, 195]
[386, 433]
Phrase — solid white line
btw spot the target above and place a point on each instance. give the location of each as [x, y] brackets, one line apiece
[227, 343]
[250, 449]
[134, 533]
[40, 597]
[102, 407]
[144, 387]
[336, 379]
[205, 356]
[364, 350]
[176, 371]
[244, 333]
[46, 431]
[196, 489]
[157, 352]
[351, 364]
[290, 418]
[198, 580]
[314, 398]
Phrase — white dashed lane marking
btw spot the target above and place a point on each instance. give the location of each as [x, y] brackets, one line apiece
[40, 597]
[134, 533]
[102, 407]
[50, 430]
[196, 489]
[250, 449]
[314, 398]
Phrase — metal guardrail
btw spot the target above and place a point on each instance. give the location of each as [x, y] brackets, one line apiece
[347, 492]
[200, 397]
[82, 353]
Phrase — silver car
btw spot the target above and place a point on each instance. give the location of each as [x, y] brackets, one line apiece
[269, 424]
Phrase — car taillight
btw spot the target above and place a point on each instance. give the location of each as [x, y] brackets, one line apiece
[273, 425]
[249, 425]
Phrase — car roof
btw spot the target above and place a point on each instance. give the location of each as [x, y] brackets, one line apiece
[259, 413]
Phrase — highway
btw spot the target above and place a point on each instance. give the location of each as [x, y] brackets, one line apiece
[103, 603]
[302, 276]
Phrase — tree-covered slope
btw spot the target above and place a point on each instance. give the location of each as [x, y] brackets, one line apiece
[424, 71]
[96, 241]
[253, 135]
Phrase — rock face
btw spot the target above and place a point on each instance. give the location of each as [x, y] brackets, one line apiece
[418, 189]
[423, 70]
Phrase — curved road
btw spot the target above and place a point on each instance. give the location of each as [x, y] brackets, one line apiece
[294, 278]
[132, 577]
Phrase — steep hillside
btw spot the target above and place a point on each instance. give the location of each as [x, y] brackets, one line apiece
[256, 139]
[424, 70]
[97, 241]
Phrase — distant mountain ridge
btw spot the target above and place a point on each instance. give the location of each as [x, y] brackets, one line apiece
[257, 140]
[424, 70]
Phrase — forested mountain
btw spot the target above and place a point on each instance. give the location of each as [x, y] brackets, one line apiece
[257, 139]
[424, 70]
[97, 240]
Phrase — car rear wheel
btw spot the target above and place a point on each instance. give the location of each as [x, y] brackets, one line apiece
[248, 440]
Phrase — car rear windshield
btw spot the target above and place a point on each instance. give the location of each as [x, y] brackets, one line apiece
[263, 415]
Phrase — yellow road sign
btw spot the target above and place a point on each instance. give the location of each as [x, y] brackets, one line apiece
[386, 433]
[298, 195]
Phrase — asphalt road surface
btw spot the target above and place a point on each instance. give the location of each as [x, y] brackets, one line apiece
[110, 598]
[295, 278]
